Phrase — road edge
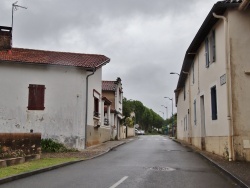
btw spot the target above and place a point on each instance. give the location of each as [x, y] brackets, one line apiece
[31, 173]
[223, 170]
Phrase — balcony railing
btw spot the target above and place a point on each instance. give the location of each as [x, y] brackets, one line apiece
[96, 114]
[106, 121]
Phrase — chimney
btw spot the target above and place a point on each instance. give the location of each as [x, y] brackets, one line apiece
[5, 38]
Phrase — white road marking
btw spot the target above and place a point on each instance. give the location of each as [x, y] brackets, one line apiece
[119, 182]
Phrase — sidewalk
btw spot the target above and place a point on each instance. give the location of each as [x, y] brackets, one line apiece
[237, 170]
[89, 153]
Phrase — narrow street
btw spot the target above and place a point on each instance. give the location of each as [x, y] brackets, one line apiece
[148, 162]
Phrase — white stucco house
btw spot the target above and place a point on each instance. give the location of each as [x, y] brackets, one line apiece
[55, 93]
[212, 94]
[113, 91]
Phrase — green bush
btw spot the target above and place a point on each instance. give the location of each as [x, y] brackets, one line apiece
[49, 145]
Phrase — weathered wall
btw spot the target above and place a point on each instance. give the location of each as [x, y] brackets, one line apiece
[239, 29]
[131, 132]
[19, 144]
[110, 95]
[64, 114]
[97, 135]
[217, 145]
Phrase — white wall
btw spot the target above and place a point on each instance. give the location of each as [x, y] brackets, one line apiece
[64, 114]
[204, 79]
[239, 29]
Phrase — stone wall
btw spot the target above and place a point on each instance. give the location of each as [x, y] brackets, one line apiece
[19, 144]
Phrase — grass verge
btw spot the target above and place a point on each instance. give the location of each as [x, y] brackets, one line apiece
[32, 165]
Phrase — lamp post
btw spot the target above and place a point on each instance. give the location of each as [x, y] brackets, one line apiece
[172, 116]
[162, 114]
[166, 111]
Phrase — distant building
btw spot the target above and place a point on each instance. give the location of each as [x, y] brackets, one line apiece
[113, 91]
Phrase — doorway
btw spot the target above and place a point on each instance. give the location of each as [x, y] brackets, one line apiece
[203, 126]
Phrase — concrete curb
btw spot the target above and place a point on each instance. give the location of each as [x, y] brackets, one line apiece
[27, 174]
[223, 170]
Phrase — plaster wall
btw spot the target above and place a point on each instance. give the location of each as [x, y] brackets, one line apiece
[97, 135]
[63, 117]
[239, 29]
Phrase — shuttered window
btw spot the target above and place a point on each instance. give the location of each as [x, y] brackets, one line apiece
[36, 97]
[212, 46]
[214, 103]
[195, 112]
[207, 52]
[96, 107]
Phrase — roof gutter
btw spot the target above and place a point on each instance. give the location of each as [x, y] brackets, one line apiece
[87, 90]
[244, 5]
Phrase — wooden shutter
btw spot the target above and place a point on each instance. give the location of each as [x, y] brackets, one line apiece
[36, 97]
[207, 52]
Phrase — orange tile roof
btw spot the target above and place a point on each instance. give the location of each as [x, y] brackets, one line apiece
[54, 58]
[108, 85]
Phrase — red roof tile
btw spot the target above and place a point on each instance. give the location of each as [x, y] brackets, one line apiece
[53, 58]
[108, 85]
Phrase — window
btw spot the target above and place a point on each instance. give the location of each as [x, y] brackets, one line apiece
[210, 48]
[96, 107]
[207, 52]
[195, 112]
[120, 95]
[193, 71]
[214, 103]
[184, 91]
[185, 123]
[36, 97]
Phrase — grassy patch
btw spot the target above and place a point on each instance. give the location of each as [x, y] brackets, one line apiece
[32, 165]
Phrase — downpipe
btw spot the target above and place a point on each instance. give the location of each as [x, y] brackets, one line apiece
[228, 85]
[86, 110]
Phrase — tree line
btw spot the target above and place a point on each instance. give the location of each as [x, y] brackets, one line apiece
[146, 118]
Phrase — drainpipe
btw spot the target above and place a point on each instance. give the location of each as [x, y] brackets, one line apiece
[87, 89]
[228, 85]
[86, 110]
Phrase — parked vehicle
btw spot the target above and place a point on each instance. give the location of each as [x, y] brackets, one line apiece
[139, 132]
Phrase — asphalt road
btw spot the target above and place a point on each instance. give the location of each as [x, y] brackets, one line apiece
[148, 162]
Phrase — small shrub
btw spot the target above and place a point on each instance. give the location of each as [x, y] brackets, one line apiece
[49, 145]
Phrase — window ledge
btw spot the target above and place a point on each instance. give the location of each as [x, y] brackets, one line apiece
[247, 72]
[96, 118]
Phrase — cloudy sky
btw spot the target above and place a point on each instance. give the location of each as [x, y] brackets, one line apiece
[145, 39]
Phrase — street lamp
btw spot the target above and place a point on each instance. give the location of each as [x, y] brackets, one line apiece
[175, 73]
[166, 110]
[172, 116]
[162, 114]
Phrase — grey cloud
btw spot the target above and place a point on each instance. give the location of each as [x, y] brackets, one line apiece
[145, 39]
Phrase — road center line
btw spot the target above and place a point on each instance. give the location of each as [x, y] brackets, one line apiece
[119, 182]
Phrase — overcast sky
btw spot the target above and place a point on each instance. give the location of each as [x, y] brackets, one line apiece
[145, 39]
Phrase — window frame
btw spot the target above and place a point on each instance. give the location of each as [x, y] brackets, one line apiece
[214, 109]
[195, 115]
[210, 48]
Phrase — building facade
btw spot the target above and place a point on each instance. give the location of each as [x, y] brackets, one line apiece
[49, 92]
[212, 94]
